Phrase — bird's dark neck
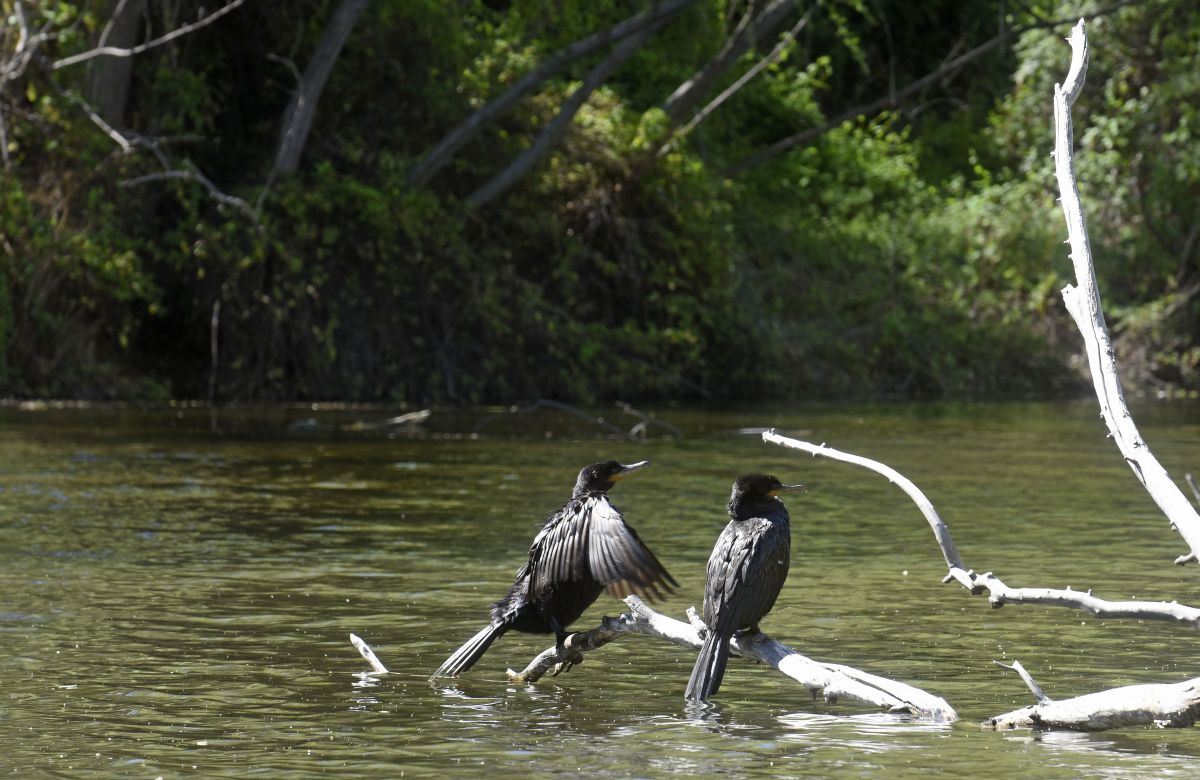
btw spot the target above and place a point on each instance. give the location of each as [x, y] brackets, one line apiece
[583, 491]
[745, 508]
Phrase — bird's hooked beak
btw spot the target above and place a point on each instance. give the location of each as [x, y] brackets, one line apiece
[627, 470]
[788, 489]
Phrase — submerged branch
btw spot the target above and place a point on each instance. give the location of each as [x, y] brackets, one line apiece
[1034, 688]
[366, 652]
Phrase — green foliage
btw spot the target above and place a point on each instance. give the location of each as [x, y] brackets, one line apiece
[915, 253]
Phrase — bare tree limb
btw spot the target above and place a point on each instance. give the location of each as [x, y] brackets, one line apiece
[1083, 303]
[733, 88]
[441, 154]
[213, 191]
[557, 126]
[366, 652]
[117, 137]
[941, 531]
[833, 682]
[894, 98]
[999, 594]
[114, 51]
[752, 27]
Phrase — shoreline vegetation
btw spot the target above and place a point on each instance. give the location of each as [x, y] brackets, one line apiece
[693, 200]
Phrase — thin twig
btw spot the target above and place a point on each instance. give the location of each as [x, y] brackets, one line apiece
[1038, 693]
[1191, 483]
[365, 650]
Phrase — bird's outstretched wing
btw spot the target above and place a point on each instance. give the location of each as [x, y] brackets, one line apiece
[618, 558]
[559, 552]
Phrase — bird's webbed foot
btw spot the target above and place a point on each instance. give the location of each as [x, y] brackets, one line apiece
[571, 657]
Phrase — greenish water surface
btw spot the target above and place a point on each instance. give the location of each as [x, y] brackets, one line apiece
[177, 590]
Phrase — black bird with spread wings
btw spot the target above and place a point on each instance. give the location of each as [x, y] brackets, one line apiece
[584, 548]
[746, 571]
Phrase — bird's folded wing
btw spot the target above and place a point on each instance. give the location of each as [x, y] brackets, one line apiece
[618, 558]
[751, 579]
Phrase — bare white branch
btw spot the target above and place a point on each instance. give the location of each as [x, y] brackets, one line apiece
[112, 51]
[1036, 689]
[1165, 705]
[366, 652]
[1083, 303]
[832, 682]
[118, 138]
[1000, 594]
[941, 531]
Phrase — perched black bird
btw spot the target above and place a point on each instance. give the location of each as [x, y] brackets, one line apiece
[745, 574]
[584, 547]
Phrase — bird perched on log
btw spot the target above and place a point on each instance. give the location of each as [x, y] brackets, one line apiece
[584, 548]
[746, 571]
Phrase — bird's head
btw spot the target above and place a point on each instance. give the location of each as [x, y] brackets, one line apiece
[757, 489]
[600, 477]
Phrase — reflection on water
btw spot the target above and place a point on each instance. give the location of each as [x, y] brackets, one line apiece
[175, 600]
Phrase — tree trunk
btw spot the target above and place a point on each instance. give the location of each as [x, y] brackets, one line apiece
[108, 78]
[302, 108]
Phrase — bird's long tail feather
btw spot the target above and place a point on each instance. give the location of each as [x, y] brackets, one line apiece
[710, 667]
[465, 657]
